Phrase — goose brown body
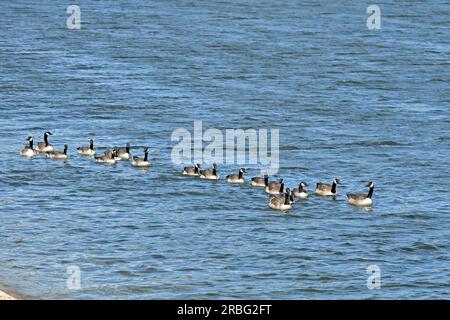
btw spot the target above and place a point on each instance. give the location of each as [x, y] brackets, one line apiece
[141, 162]
[45, 146]
[237, 178]
[192, 171]
[29, 150]
[325, 189]
[362, 200]
[58, 154]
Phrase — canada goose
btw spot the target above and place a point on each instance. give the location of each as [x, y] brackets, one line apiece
[361, 199]
[325, 189]
[108, 157]
[192, 171]
[58, 154]
[260, 181]
[282, 203]
[237, 178]
[28, 151]
[210, 174]
[301, 192]
[87, 150]
[45, 146]
[141, 162]
[275, 187]
[123, 153]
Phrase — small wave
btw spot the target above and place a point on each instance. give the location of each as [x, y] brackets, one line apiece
[352, 83]
[376, 143]
[420, 246]
[289, 148]
[417, 216]
[385, 143]
[7, 200]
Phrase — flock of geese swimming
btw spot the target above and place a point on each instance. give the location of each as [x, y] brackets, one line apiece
[280, 198]
[110, 157]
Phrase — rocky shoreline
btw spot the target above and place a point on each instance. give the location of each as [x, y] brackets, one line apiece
[5, 296]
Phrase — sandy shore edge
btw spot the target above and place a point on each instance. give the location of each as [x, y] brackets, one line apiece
[5, 296]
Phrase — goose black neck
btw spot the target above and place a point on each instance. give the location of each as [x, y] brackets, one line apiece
[127, 148]
[286, 198]
[146, 156]
[91, 145]
[31, 144]
[195, 169]
[300, 187]
[266, 181]
[65, 150]
[369, 195]
[240, 174]
[333, 187]
[214, 171]
[45, 140]
[281, 187]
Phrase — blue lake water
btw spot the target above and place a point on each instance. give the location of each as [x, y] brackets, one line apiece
[350, 103]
